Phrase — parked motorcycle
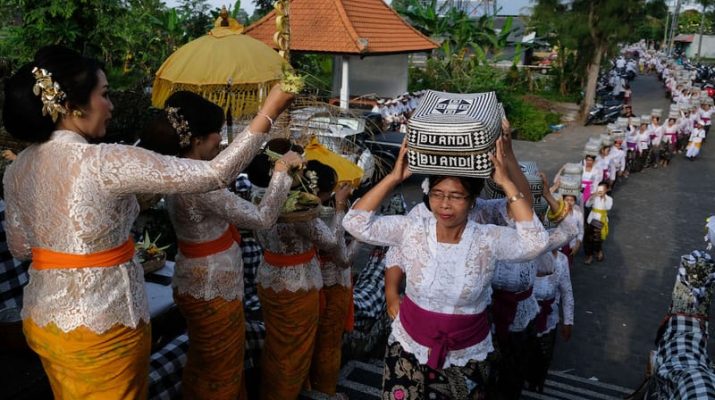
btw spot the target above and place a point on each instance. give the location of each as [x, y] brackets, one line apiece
[604, 113]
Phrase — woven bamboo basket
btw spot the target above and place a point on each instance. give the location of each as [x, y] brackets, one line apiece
[154, 264]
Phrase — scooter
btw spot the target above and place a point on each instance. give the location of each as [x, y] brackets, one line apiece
[602, 114]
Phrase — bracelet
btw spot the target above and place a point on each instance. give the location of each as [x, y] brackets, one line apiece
[516, 197]
[341, 203]
[262, 114]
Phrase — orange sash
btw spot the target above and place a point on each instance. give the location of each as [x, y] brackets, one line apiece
[205, 249]
[50, 259]
[288, 260]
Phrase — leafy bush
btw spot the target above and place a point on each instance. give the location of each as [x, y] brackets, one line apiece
[460, 73]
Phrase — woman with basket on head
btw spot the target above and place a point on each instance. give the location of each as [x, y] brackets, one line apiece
[670, 139]
[289, 276]
[441, 337]
[70, 207]
[597, 207]
[208, 279]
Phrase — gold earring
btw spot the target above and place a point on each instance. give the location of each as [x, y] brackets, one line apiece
[77, 113]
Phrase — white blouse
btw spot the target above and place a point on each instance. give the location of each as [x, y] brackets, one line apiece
[598, 203]
[297, 238]
[204, 217]
[556, 285]
[447, 278]
[644, 140]
[337, 269]
[618, 157]
[70, 196]
[595, 175]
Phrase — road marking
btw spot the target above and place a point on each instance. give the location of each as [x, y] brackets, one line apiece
[558, 385]
[609, 386]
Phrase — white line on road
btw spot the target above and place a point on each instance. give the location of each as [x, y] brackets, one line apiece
[590, 382]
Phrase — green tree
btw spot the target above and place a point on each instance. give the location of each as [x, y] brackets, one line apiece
[657, 9]
[702, 27]
[595, 26]
[689, 21]
[263, 7]
[85, 25]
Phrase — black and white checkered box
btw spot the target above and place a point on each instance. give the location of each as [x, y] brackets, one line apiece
[454, 134]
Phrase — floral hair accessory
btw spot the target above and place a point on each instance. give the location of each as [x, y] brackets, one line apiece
[50, 93]
[180, 126]
[425, 186]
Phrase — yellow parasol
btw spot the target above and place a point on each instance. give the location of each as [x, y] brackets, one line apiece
[346, 169]
[224, 66]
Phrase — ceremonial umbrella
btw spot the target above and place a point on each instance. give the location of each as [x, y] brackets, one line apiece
[228, 68]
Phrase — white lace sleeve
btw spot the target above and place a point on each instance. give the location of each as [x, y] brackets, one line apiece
[15, 232]
[566, 290]
[343, 253]
[562, 234]
[245, 214]
[393, 258]
[489, 212]
[366, 227]
[524, 243]
[132, 170]
[323, 236]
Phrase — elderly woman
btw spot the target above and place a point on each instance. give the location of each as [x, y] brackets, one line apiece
[441, 337]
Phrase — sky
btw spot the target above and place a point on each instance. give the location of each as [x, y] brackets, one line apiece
[508, 7]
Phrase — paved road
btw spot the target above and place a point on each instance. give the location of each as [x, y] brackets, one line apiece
[658, 215]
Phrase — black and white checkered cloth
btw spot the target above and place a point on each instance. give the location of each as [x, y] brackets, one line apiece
[369, 290]
[683, 369]
[251, 251]
[165, 369]
[13, 273]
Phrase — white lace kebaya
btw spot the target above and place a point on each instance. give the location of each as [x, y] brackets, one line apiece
[337, 269]
[447, 278]
[70, 196]
[202, 217]
[297, 238]
[511, 276]
[556, 286]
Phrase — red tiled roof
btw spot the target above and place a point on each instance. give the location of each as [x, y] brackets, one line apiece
[341, 26]
[684, 38]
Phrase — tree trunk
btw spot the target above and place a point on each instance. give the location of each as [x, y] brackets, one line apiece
[594, 66]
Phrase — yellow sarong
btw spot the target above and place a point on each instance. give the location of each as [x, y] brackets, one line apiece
[82, 364]
[291, 320]
[604, 221]
[325, 367]
[214, 364]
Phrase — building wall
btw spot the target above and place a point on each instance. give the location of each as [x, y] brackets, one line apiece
[708, 48]
[383, 76]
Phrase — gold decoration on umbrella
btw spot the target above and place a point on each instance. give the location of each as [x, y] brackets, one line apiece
[290, 82]
[225, 66]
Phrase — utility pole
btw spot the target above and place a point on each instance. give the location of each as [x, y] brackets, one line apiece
[665, 30]
[673, 27]
[700, 33]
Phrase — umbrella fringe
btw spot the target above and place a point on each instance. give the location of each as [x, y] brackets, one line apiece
[242, 99]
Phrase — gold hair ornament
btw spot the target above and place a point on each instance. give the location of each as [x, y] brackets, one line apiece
[180, 126]
[50, 93]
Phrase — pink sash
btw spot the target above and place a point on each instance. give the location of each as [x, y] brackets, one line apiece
[587, 188]
[440, 332]
[504, 307]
